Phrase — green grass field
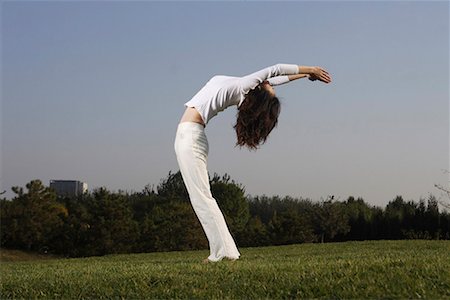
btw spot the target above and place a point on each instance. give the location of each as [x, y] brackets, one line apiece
[375, 269]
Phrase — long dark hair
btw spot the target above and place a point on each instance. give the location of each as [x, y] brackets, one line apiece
[256, 117]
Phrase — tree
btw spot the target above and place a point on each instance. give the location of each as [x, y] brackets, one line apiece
[110, 228]
[33, 219]
[291, 221]
[75, 237]
[173, 189]
[231, 200]
[142, 203]
[411, 220]
[432, 217]
[7, 223]
[360, 217]
[172, 226]
[446, 192]
[330, 220]
[255, 234]
[394, 215]
[263, 207]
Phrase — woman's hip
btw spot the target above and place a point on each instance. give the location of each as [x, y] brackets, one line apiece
[191, 140]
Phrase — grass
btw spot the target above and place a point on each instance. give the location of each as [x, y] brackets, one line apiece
[373, 269]
[7, 255]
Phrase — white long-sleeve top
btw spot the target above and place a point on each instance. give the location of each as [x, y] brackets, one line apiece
[222, 91]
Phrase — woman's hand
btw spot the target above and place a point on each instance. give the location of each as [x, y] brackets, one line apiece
[318, 73]
[315, 73]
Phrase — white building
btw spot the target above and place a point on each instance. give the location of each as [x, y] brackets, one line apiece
[68, 188]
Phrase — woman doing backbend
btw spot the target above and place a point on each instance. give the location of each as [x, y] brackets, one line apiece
[258, 110]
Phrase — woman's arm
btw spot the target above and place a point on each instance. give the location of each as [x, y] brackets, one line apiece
[279, 80]
[290, 72]
[297, 76]
[251, 81]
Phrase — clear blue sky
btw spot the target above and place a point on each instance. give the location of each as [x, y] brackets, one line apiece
[93, 91]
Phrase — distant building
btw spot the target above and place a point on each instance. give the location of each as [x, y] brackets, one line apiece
[68, 188]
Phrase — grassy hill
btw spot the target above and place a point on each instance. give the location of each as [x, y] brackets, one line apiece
[374, 269]
[8, 255]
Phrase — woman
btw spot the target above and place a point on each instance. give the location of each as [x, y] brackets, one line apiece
[258, 110]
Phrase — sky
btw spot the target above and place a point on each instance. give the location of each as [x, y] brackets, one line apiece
[93, 91]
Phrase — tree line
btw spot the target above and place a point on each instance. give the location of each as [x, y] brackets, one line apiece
[161, 219]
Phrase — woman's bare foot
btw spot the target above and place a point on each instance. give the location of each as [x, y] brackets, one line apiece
[205, 261]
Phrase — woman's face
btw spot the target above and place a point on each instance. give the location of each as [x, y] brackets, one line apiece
[266, 86]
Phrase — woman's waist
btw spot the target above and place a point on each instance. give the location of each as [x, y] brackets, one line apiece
[191, 125]
[191, 115]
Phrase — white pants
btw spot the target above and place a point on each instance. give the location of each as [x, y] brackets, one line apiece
[191, 147]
